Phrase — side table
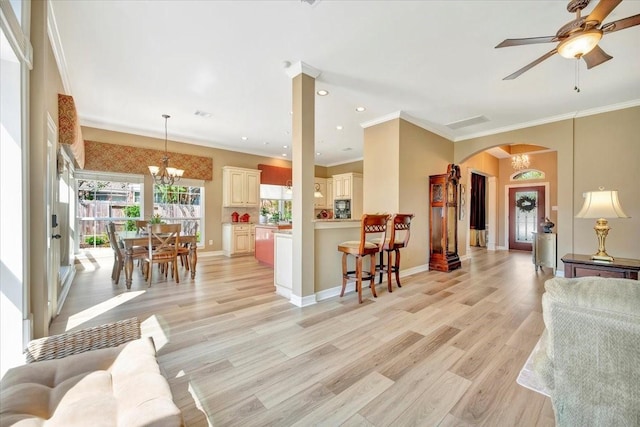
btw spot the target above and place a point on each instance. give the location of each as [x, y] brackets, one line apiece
[576, 265]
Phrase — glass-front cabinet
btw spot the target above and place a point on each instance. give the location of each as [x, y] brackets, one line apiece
[443, 224]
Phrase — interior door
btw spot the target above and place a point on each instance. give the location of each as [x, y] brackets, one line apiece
[526, 211]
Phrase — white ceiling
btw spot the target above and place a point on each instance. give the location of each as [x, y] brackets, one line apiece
[128, 62]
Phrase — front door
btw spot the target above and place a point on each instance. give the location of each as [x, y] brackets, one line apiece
[526, 211]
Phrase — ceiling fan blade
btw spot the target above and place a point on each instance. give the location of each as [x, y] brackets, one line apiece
[621, 24]
[530, 40]
[602, 10]
[596, 57]
[530, 66]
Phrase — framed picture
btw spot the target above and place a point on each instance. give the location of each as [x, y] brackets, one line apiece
[462, 206]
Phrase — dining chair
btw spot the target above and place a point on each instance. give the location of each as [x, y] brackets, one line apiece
[141, 225]
[163, 248]
[398, 239]
[369, 225]
[139, 253]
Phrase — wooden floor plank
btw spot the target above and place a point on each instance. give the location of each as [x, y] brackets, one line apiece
[444, 349]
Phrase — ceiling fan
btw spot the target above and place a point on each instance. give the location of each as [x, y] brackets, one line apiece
[578, 38]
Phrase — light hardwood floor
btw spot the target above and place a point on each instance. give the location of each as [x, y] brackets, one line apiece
[445, 349]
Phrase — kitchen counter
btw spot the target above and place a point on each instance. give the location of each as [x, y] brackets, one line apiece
[265, 241]
[328, 260]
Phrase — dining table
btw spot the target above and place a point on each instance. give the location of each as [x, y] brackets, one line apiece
[131, 239]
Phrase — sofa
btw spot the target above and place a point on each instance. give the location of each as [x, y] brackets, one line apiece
[107, 375]
[588, 357]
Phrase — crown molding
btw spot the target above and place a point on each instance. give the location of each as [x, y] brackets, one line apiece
[553, 119]
[408, 118]
[300, 67]
[56, 46]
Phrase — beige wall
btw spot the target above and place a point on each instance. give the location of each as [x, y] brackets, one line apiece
[399, 158]
[355, 167]
[215, 215]
[381, 177]
[606, 154]
[484, 164]
[422, 154]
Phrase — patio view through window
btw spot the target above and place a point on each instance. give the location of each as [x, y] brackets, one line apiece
[122, 201]
[175, 204]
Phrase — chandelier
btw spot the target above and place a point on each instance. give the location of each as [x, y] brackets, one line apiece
[520, 161]
[164, 175]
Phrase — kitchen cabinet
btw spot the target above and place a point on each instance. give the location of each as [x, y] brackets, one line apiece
[443, 220]
[328, 196]
[348, 186]
[240, 187]
[238, 239]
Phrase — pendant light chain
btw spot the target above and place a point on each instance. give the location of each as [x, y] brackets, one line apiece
[576, 86]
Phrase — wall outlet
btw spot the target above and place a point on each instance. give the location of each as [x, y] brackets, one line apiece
[211, 242]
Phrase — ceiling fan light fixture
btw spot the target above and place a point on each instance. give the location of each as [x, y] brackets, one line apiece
[580, 44]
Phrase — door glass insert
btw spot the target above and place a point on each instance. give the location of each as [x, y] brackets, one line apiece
[526, 211]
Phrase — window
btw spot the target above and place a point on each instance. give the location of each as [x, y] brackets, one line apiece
[103, 198]
[527, 175]
[15, 63]
[181, 204]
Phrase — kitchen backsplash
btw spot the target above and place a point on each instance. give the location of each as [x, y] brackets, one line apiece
[253, 214]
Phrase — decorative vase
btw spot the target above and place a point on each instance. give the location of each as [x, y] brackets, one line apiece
[547, 226]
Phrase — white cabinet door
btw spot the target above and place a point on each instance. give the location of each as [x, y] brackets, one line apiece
[240, 187]
[241, 242]
[329, 196]
[346, 187]
[252, 188]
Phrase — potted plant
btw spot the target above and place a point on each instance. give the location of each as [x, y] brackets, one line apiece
[264, 215]
[156, 219]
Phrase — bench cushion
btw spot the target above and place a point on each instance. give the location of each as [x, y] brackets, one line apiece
[118, 386]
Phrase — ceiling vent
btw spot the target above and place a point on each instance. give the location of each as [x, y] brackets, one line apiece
[467, 122]
[310, 2]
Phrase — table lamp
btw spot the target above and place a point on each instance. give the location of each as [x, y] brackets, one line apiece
[601, 205]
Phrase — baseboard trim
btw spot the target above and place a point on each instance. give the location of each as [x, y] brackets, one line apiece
[351, 286]
[303, 301]
[284, 292]
[66, 286]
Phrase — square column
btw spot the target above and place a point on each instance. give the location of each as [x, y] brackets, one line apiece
[303, 164]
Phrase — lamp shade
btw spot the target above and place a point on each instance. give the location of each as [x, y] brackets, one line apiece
[601, 204]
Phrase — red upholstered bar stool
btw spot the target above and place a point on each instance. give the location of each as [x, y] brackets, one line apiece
[398, 239]
[369, 225]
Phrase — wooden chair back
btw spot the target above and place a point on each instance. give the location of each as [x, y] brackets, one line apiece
[163, 241]
[402, 224]
[373, 224]
[113, 241]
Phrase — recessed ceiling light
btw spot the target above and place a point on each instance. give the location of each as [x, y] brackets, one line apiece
[291, 113]
[285, 146]
[323, 92]
[318, 154]
[284, 154]
[244, 138]
[266, 143]
[347, 149]
[202, 113]
[360, 109]
[339, 127]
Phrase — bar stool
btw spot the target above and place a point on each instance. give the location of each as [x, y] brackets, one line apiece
[401, 223]
[370, 224]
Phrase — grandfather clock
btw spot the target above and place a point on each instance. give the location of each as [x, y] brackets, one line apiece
[443, 224]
